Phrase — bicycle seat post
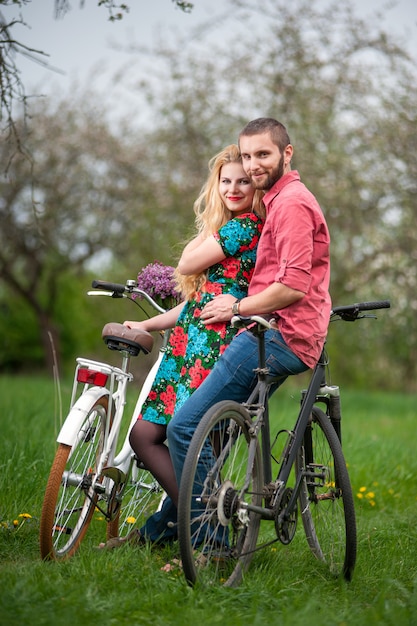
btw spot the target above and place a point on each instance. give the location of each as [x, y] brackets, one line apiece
[259, 332]
[125, 354]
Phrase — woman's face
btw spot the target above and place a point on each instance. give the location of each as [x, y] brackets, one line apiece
[236, 188]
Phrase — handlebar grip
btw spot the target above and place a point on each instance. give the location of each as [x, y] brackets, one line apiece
[115, 287]
[353, 309]
[372, 306]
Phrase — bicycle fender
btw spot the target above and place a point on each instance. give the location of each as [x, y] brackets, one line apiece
[70, 428]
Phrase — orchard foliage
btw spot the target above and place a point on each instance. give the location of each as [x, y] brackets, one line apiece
[122, 194]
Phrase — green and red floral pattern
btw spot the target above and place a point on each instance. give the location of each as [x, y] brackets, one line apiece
[194, 347]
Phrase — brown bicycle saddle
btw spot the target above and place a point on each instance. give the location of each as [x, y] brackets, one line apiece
[119, 337]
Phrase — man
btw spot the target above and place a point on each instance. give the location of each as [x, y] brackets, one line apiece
[292, 271]
[290, 285]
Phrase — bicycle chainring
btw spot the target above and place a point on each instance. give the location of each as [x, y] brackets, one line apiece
[286, 526]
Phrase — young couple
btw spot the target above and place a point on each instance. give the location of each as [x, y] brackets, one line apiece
[219, 278]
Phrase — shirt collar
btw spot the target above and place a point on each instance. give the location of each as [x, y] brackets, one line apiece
[289, 177]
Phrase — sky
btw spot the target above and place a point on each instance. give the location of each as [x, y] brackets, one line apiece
[85, 41]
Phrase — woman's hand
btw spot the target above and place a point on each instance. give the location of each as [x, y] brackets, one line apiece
[135, 325]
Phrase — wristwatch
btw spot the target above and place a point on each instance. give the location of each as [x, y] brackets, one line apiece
[235, 307]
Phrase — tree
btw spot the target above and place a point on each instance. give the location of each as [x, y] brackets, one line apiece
[346, 91]
[66, 210]
[88, 199]
[12, 89]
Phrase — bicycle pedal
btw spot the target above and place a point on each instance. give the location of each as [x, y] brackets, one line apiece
[116, 474]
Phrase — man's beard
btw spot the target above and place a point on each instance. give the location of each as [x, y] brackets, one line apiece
[272, 177]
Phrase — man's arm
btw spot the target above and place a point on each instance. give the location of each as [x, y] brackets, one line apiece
[274, 297]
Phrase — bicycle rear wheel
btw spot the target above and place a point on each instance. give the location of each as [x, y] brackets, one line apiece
[222, 474]
[326, 499]
[70, 500]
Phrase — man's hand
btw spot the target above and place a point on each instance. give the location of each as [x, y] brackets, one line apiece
[218, 310]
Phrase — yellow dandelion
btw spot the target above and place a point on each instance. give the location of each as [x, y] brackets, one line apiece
[15, 522]
[131, 520]
[362, 489]
[370, 495]
[25, 515]
[359, 495]
[372, 502]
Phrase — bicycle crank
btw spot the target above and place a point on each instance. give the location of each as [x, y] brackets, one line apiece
[285, 521]
[115, 498]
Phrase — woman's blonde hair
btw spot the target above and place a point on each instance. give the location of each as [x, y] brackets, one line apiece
[211, 213]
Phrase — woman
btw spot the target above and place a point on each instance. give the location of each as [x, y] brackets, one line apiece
[220, 259]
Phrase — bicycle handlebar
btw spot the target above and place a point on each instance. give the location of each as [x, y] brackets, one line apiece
[350, 312]
[115, 287]
[116, 290]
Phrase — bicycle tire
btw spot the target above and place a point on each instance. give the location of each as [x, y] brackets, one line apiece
[326, 499]
[69, 500]
[217, 536]
[142, 497]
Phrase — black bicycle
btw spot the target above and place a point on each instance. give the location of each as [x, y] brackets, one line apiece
[227, 486]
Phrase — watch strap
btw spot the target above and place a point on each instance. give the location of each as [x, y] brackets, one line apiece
[235, 307]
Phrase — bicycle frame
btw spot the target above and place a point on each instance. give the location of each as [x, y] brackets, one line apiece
[257, 405]
[317, 391]
[116, 380]
[94, 380]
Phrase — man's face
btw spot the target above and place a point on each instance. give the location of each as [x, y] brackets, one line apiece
[262, 160]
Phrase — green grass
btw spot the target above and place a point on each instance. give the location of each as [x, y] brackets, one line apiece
[284, 585]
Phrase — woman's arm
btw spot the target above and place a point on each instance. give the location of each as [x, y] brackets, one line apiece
[191, 245]
[199, 255]
[158, 322]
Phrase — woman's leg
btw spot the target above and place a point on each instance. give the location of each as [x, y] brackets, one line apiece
[147, 441]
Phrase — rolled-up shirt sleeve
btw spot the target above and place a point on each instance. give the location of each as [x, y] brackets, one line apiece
[294, 247]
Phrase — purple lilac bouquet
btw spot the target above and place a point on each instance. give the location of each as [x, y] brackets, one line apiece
[158, 281]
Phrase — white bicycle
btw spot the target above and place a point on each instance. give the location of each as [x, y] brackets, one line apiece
[90, 471]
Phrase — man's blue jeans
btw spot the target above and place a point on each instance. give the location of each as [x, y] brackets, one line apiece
[232, 378]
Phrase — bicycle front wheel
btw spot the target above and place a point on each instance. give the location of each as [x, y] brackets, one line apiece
[326, 499]
[221, 479]
[70, 499]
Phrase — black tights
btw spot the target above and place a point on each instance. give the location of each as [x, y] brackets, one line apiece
[147, 441]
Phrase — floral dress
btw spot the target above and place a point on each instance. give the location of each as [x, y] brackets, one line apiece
[194, 347]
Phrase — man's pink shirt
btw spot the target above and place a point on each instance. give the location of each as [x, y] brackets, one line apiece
[294, 250]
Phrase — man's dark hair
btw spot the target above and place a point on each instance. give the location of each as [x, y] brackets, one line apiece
[262, 125]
